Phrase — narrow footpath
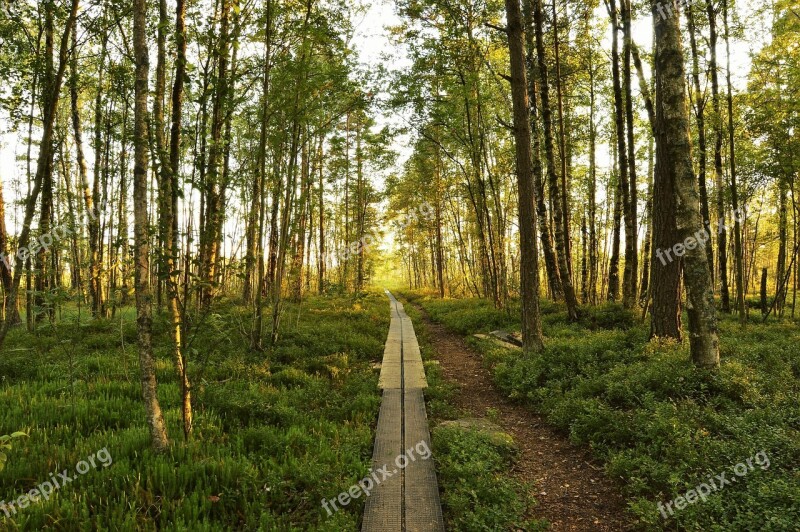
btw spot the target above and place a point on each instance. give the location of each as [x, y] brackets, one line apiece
[571, 489]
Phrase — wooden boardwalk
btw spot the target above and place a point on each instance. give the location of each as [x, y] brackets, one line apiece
[408, 500]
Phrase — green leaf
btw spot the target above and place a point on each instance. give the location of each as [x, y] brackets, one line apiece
[19, 435]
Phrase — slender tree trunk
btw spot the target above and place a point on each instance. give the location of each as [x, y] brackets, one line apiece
[529, 256]
[9, 309]
[738, 213]
[562, 142]
[613, 266]
[256, 336]
[160, 156]
[91, 196]
[39, 251]
[78, 133]
[439, 221]
[155, 420]
[674, 163]
[76, 280]
[214, 193]
[622, 152]
[632, 225]
[555, 187]
[170, 215]
[593, 245]
[648, 237]
[783, 233]
[545, 232]
[722, 244]
[699, 111]
[321, 263]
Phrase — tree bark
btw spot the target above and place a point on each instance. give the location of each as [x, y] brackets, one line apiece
[9, 309]
[622, 152]
[214, 194]
[632, 224]
[529, 257]
[144, 320]
[545, 232]
[674, 163]
[554, 186]
[738, 213]
[665, 270]
[722, 243]
[170, 224]
[699, 111]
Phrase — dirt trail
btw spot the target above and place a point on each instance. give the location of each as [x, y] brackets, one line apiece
[571, 489]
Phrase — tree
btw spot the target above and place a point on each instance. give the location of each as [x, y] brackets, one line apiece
[737, 218]
[169, 215]
[552, 178]
[144, 319]
[722, 244]
[529, 257]
[674, 164]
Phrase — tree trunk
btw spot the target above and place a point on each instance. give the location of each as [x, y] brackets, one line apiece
[622, 152]
[648, 236]
[699, 111]
[9, 309]
[256, 336]
[170, 214]
[211, 233]
[738, 213]
[545, 232]
[632, 226]
[554, 186]
[613, 266]
[674, 163]
[722, 244]
[155, 420]
[593, 245]
[562, 142]
[321, 262]
[529, 256]
[665, 276]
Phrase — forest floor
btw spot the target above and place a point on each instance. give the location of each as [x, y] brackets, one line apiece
[572, 491]
[658, 428]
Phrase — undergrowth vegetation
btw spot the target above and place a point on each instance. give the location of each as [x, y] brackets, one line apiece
[275, 432]
[661, 426]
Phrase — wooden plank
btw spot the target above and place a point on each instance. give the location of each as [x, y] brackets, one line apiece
[422, 505]
[408, 500]
[383, 511]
